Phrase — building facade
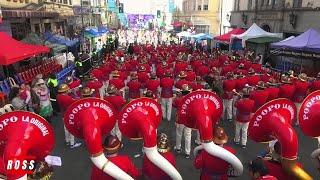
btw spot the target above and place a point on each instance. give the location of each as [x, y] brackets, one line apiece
[291, 17]
[20, 17]
[207, 16]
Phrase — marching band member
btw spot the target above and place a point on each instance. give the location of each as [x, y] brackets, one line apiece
[153, 84]
[134, 87]
[143, 76]
[301, 91]
[97, 86]
[213, 167]
[245, 106]
[180, 127]
[111, 147]
[115, 98]
[228, 86]
[259, 96]
[182, 80]
[272, 89]
[274, 164]
[149, 169]
[191, 75]
[287, 89]
[150, 94]
[117, 82]
[65, 100]
[315, 84]
[259, 171]
[253, 78]
[166, 85]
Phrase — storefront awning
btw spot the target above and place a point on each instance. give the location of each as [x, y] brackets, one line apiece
[28, 14]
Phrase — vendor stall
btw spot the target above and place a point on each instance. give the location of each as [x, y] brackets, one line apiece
[301, 53]
[257, 39]
[33, 38]
[72, 45]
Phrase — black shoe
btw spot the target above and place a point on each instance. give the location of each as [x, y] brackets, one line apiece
[177, 150]
[230, 120]
[243, 146]
[187, 156]
[237, 143]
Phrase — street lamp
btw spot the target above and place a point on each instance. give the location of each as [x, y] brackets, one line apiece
[244, 18]
[293, 19]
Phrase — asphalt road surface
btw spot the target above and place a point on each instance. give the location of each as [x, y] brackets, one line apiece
[76, 163]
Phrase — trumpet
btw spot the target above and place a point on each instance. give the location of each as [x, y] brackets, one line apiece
[237, 93]
[250, 87]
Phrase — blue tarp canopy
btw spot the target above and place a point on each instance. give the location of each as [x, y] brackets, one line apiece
[102, 29]
[58, 39]
[95, 32]
[92, 32]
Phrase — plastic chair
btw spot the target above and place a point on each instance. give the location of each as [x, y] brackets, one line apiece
[3, 98]
[8, 108]
[2, 111]
[12, 82]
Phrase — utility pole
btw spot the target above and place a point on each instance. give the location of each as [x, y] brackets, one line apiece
[221, 8]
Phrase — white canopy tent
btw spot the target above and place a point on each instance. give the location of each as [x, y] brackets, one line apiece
[184, 34]
[254, 32]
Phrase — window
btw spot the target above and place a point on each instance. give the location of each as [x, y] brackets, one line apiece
[238, 5]
[199, 7]
[47, 27]
[205, 5]
[249, 4]
[202, 29]
[37, 28]
[262, 3]
[297, 3]
[70, 2]
[65, 1]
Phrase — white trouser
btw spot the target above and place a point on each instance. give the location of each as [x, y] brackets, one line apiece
[271, 144]
[182, 129]
[153, 68]
[227, 108]
[166, 107]
[244, 128]
[234, 109]
[298, 106]
[68, 136]
[116, 131]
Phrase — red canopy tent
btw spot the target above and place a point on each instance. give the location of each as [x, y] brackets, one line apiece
[226, 37]
[12, 51]
[177, 24]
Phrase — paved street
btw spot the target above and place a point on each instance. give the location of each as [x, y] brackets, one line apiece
[76, 164]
